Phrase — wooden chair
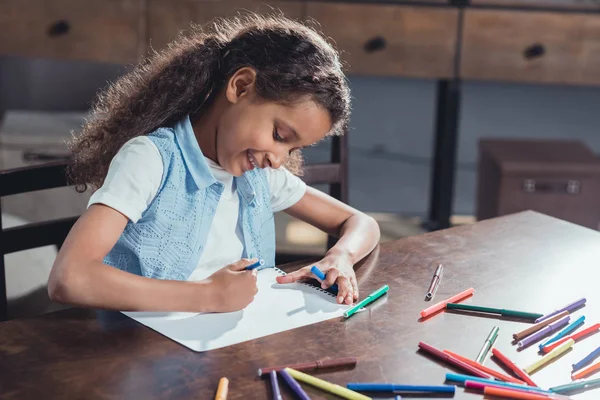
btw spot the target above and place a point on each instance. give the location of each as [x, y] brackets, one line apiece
[30, 236]
[334, 174]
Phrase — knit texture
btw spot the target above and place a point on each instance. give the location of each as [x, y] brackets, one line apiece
[168, 240]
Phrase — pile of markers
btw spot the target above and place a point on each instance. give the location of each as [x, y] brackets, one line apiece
[488, 381]
[556, 332]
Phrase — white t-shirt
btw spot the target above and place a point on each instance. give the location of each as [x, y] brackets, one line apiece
[135, 175]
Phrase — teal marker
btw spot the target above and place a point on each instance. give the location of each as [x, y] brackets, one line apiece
[490, 310]
[463, 378]
[570, 328]
[368, 300]
[576, 386]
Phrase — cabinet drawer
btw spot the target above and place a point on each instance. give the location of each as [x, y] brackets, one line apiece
[166, 18]
[390, 39]
[92, 30]
[567, 4]
[523, 46]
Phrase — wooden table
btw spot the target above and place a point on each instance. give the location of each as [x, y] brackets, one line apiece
[525, 261]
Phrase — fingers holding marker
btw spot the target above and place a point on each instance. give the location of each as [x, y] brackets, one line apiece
[323, 278]
[294, 276]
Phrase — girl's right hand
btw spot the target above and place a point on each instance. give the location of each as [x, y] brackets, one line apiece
[232, 288]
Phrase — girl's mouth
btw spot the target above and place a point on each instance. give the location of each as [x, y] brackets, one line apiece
[252, 160]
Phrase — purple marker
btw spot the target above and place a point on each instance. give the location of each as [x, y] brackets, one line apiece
[275, 386]
[568, 308]
[294, 385]
[542, 333]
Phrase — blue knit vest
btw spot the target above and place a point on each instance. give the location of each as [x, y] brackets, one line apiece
[168, 240]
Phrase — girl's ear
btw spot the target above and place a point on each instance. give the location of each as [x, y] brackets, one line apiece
[241, 84]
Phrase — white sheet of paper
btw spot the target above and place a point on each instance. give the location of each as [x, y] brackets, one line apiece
[276, 308]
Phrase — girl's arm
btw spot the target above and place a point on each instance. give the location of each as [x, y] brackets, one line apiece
[80, 278]
[358, 233]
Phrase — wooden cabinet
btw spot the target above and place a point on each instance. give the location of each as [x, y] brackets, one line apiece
[558, 4]
[166, 18]
[522, 46]
[560, 178]
[93, 30]
[496, 40]
[391, 39]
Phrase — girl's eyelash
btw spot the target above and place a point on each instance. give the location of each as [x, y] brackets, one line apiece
[276, 135]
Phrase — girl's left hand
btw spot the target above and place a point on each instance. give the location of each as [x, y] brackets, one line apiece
[338, 269]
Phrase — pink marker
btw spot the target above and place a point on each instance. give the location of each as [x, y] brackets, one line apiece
[442, 304]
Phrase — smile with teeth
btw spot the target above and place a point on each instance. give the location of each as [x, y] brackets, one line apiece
[252, 159]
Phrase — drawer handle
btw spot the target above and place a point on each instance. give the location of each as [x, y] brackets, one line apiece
[377, 43]
[570, 187]
[534, 51]
[59, 28]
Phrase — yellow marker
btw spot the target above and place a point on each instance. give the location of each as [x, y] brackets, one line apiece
[222, 389]
[550, 356]
[326, 386]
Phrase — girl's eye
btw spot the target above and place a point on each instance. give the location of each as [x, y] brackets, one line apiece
[276, 135]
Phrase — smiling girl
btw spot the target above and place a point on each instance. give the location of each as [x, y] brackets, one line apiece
[190, 155]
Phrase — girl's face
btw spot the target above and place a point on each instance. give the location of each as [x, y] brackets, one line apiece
[253, 133]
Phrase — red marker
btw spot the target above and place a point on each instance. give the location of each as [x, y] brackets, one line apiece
[452, 360]
[485, 369]
[589, 331]
[513, 367]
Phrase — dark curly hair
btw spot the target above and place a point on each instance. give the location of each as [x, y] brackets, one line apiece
[292, 61]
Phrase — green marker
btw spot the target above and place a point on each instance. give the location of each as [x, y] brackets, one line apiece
[487, 345]
[572, 387]
[501, 311]
[369, 299]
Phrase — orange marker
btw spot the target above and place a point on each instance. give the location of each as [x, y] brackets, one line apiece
[485, 369]
[513, 367]
[442, 304]
[588, 371]
[513, 394]
[589, 331]
[222, 389]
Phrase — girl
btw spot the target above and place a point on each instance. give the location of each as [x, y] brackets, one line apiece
[186, 154]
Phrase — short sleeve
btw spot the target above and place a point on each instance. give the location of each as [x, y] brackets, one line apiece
[286, 188]
[133, 179]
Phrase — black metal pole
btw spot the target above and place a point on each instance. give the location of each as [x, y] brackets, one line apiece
[339, 155]
[3, 292]
[444, 160]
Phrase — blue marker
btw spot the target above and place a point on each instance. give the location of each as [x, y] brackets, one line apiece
[257, 264]
[463, 378]
[322, 277]
[388, 387]
[568, 329]
[588, 359]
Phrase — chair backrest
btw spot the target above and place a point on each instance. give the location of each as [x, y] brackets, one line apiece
[30, 236]
[335, 174]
